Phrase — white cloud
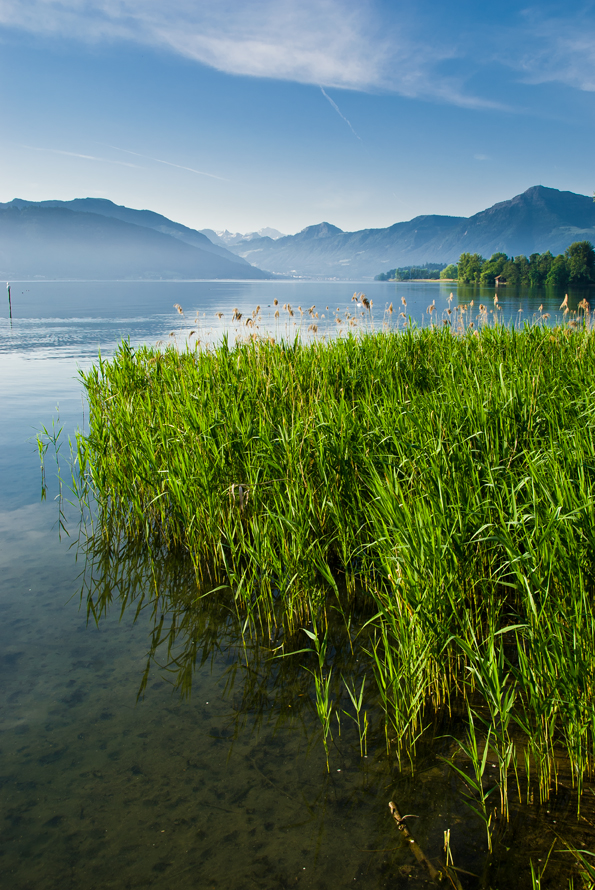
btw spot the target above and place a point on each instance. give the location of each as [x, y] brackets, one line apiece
[329, 43]
[555, 49]
[345, 44]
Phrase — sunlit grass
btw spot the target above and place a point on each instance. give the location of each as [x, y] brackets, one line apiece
[447, 480]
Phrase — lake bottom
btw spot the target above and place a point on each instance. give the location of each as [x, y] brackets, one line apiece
[225, 787]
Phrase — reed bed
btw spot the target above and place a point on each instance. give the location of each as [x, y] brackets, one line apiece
[445, 481]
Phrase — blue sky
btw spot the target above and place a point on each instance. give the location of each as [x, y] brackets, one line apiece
[257, 113]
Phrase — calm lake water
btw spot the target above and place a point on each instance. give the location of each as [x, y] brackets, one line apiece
[150, 744]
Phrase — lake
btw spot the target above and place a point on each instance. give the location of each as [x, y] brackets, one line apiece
[144, 740]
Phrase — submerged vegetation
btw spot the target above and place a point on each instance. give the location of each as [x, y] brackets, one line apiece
[441, 484]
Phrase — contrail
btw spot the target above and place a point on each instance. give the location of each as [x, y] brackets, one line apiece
[74, 154]
[169, 163]
[340, 113]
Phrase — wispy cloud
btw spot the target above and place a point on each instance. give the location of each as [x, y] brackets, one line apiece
[337, 44]
[329, 43]
[558, 48]
[339, 112]
[566, 54]
[168, 163]
[76, 154]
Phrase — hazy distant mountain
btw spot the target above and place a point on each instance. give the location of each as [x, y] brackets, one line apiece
[94, 238]
[228, 238]
[540, 219]
[146, 218]
[326, 251]
[266, 232]
[54, 242]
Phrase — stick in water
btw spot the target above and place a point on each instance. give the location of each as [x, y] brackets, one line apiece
[436, 875]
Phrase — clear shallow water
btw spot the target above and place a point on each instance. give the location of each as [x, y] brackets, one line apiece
[223, 787]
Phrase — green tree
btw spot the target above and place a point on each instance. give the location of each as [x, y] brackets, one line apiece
[492, 268]
[522, 265]
[451, 271]
[534, 270]
[539, 267]
[580, 262]
[511, 273]
[545, 264]
[558, 274]
[470, 265]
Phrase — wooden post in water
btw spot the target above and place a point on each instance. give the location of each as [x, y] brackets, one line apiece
[9, 301]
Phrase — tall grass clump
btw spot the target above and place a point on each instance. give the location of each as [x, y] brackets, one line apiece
[444, 480]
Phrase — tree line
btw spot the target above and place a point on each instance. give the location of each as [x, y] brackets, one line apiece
[412, 273]
[575, 266]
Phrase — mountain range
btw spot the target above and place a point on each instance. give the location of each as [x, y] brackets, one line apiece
[95, 238]
[540, 219]
[226, 238]
[92, 238]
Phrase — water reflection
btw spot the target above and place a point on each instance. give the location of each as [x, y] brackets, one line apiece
[223, 787]
[268, 731]
[78, 318]
[191, 629]
[215, 775]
